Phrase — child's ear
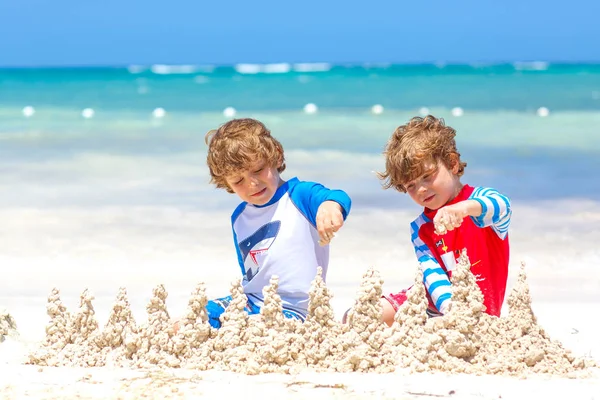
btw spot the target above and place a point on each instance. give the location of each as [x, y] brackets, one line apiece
[455, 164]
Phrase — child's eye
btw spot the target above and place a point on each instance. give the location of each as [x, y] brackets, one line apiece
[238, 181]
[258, 170]
[410, 186]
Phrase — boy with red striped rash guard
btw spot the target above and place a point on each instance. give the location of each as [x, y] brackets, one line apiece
[421, 159]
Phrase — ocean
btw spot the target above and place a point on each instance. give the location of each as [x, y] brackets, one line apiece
[103, 175]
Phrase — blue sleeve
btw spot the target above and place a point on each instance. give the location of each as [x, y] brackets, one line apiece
[495, 210]
[308, 196]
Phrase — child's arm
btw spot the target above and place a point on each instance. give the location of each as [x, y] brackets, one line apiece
[326, 209]
[435, 279]
[486, 207]
[495, 210]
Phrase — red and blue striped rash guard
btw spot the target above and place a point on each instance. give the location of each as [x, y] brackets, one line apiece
[486, 240]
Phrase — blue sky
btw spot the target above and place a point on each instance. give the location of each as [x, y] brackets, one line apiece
[111, 32]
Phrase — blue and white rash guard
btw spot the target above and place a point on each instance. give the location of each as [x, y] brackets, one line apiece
[280, 238]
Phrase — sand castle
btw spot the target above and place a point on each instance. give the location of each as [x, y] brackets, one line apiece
[464, 340]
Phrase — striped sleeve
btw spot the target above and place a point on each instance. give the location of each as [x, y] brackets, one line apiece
[435, 278]
[496, 210]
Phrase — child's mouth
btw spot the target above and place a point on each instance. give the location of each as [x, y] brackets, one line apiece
[259, 193]
[428, 199]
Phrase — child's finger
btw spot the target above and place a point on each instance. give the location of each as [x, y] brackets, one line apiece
[324, 241]
[336, 222]
[440, 229]
[327, 235]
[320, 222]
[324, 230]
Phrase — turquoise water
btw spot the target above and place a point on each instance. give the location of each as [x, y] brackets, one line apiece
[519, 86]
[124, 155]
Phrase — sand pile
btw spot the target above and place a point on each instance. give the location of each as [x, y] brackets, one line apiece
[464, 340]
[468, 340]
[8, 326]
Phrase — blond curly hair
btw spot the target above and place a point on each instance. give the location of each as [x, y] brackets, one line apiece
[421, 142]
[237, 145]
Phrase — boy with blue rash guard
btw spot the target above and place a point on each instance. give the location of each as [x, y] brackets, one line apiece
[281, 228]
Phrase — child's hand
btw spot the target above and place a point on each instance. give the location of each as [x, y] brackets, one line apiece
[450, 217]
[329, 221]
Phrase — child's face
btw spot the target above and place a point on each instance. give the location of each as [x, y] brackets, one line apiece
[257, 184]
[436, 187]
